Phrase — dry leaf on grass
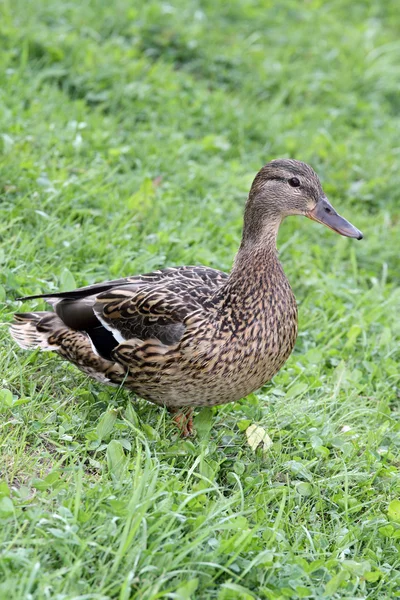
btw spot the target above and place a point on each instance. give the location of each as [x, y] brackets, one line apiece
[257, 437]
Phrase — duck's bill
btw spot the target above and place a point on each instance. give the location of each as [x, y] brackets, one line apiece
[325, 213]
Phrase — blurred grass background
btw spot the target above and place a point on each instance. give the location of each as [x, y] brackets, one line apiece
[129, 135]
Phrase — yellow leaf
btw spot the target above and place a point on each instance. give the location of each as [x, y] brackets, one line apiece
[257, 437]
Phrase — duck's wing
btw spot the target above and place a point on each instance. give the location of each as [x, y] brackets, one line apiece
[150, 306]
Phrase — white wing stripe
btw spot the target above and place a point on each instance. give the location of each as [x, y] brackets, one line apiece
[116, 334]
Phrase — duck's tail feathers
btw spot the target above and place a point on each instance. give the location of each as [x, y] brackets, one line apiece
[36, 330]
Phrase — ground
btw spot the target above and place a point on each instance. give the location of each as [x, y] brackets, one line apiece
[130, 133]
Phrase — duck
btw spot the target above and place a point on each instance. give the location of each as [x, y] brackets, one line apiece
[192, 336]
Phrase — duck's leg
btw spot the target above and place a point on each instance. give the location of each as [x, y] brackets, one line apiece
[183, 419]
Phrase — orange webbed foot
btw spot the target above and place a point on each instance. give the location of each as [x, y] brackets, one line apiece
[183, 419]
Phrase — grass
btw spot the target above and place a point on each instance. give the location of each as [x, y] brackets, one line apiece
[130, 135]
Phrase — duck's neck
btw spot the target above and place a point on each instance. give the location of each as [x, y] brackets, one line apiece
[258, 254]
[255, 274]
[261, 223]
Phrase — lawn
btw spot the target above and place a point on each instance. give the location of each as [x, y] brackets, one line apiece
[129, 135]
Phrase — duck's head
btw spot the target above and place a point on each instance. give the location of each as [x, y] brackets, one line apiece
[289, 187]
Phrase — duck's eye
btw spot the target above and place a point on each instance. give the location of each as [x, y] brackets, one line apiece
[294, 182]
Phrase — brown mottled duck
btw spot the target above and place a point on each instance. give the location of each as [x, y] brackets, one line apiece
[187, 336]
